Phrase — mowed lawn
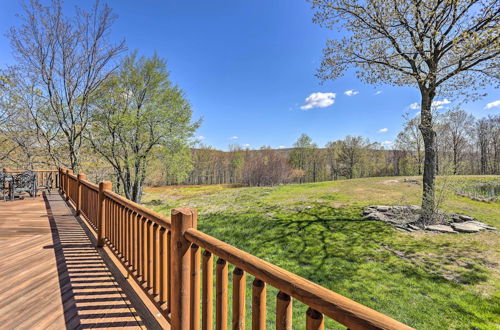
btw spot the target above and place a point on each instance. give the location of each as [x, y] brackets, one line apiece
[424, 279]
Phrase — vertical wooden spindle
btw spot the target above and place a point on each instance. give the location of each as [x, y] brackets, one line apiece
[195, 287]
[221, 295]
[258, 305]
[156, 259]
[239, 285]
[150, 253]
[169, 270]
[140, 253]
[208, 296]
[283, 311]
[314, 320]
[145, 251]
[163, 265]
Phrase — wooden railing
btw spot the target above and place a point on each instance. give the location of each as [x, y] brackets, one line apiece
[164, 257]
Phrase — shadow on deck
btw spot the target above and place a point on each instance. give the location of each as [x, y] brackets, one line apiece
[52, 276]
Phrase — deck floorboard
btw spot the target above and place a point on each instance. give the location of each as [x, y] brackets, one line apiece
[51, 275]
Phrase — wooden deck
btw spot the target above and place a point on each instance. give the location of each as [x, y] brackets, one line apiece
[51, 275]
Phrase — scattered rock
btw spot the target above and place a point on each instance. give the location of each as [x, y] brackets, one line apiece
[414, 227]
[467, 227]
[481, 224]
[466, 217]
[411, 181]
[440, 228]
[405, 217]
[376, 216]
[382, 208]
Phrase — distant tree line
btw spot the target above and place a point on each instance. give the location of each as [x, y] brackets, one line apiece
[465, 146]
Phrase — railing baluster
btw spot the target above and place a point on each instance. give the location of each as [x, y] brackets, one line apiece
[169, 270]
[156, 259]
[150, 255]
[195, 287]
[145, 252]
[283, 311]
[208, 296]
[135, 245]
[239, 285]
[163, 265]
[314, 320]
[221, 295]
[258, 305]
[140, 244]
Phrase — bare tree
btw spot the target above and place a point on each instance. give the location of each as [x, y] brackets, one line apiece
[437, 46]
[410, 139]
[64, 60]
[458, 129]
[267, 168]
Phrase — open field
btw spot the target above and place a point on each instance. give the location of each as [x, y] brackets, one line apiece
[424, 279]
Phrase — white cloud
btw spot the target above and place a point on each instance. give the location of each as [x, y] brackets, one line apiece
[201, 137]
[415, 106]
[493, 104]
[383, 130]
[438, 104]
[378, 92]
[351, 92]
[386, 143]
[281, 147]
[318, 100]
[234, 138]
[246, 145]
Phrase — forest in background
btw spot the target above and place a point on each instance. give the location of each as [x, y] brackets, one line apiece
[465, 146]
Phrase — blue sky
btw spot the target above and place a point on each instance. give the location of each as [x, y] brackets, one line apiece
[247, 68]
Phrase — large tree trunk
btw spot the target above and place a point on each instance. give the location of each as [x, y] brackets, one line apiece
[429, 137]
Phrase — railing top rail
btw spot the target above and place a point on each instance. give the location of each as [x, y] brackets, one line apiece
[90, 185]
[151, 215]
[19, 171]
[333, 305]
[72, 176]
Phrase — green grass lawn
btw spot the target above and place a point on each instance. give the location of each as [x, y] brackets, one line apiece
[424, 279]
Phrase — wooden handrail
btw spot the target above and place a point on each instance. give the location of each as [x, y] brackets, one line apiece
[147, 213]
[90, 185]
[334, 305]
[163, 255]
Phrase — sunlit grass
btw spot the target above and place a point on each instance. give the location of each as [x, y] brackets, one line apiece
[427, 280]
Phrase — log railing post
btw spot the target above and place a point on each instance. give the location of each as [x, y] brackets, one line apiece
[64, 181]
[182, 219]
[59, 184]
[101, 213]
[79, 178]
[68, 172]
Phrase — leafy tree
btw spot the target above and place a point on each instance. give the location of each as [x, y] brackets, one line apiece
[301, 157]
[139, 112]
[351, 152]
[437, 46]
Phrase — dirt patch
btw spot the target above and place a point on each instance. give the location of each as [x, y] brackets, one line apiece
[390, 182]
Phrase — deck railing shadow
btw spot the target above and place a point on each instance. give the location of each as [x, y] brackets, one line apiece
[90, 295]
